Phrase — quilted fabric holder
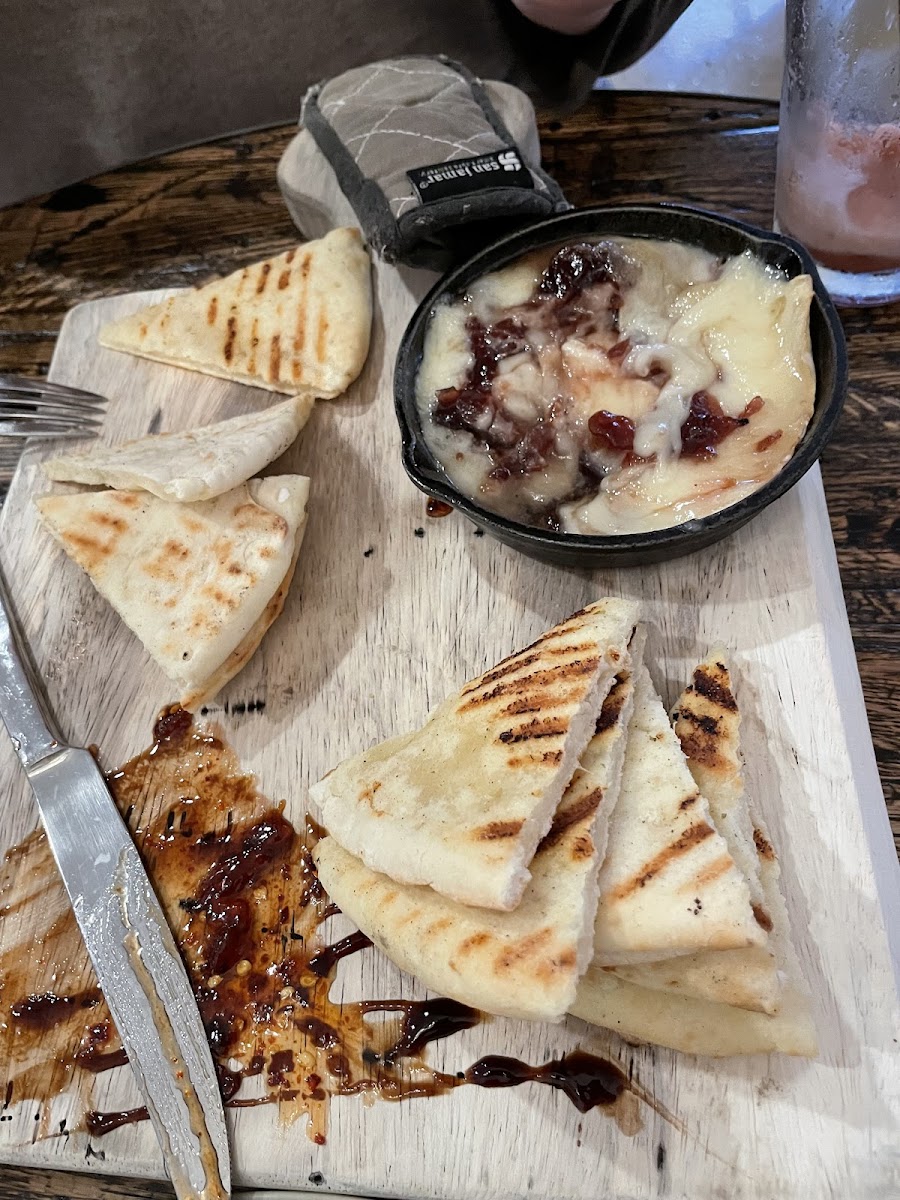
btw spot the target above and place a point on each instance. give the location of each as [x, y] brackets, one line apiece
[431, 162]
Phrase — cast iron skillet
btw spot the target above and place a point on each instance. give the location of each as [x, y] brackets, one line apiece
[667, 222]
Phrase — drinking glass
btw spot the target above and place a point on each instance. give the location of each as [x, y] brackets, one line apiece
[837, 184]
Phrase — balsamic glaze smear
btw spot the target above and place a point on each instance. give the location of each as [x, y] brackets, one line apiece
[325, 960]
[588, 1081]
[429, 1021]
[99, 1123]
[246, 903]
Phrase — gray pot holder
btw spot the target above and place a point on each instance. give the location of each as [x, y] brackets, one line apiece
[423, 155]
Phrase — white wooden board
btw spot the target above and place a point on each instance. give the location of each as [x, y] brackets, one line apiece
[380, 624]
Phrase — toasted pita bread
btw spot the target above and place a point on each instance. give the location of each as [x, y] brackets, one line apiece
[461, 804]
[690, 1025]
[695, 1025]
[745, 978]
[525, 963]
[668, 885]
[194, 582]
[195, 464]
[788, 964]
[707, 722]
[242, 653]
[298, 323]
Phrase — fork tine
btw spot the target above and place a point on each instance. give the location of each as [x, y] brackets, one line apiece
[40, 417]
[33, 408]
[21, 385]
[27, 430]
[29, 402]
[30, 399]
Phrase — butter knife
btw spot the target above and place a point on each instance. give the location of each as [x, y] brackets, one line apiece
[124, 928]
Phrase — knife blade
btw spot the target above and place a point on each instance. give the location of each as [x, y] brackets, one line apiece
[125, 930]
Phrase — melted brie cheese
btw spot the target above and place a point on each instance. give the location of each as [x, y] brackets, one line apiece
[687, 324]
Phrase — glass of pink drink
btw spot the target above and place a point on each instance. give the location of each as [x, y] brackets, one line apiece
[838, 177]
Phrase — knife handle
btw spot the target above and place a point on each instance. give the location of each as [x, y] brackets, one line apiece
[23, 706]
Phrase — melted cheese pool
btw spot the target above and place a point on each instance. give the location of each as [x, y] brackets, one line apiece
[618, 386]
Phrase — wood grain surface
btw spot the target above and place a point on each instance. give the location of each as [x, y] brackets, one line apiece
[203, 211]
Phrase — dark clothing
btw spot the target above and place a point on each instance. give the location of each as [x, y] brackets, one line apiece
[87, 85]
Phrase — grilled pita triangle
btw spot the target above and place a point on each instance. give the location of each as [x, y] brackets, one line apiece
[707, 723]
[695, 1024]
[690, 1025]
[525, 963]
[196, 464]
[298, 323]
[198, 584]
[461, 804]
[669, 885]
[704, 1009]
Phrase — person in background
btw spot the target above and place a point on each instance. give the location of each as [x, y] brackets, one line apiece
[88, 85]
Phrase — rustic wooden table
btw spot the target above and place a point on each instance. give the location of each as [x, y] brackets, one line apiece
[188, 216]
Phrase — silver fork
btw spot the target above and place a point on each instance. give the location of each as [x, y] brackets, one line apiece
[34, 408]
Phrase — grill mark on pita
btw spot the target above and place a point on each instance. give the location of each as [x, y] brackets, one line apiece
[763, 845]
[254, 342]
[719, 693]
[525, 947]
[705, 723]
[300, 329]
[439, 925]
[263, 279]
[762, 917]
[87, 550]
[700, 748]
[212, 310]
[289, 256]
[560, 651]
[547, 677]
[690, 838]
[612, 706]
[472, 942]
[710, 874]
[321, 337]
[275, 357]
[568, 959]
[536, 702]
[126, 499]
[688, 801]
[567, 817]
[538, 727]
[527, 655]
[496, 830]
[106, 521]
[506, 667]
[550, 758]
[582, 848]
[228, 349]
[283, 280]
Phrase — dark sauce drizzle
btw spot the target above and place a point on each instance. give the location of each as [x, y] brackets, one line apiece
[325, 960]
[588, 1081]
[263, 989]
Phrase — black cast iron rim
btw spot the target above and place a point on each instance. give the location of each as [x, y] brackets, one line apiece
[668, 222]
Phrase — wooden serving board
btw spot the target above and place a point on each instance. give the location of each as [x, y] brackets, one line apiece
[390, 611]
